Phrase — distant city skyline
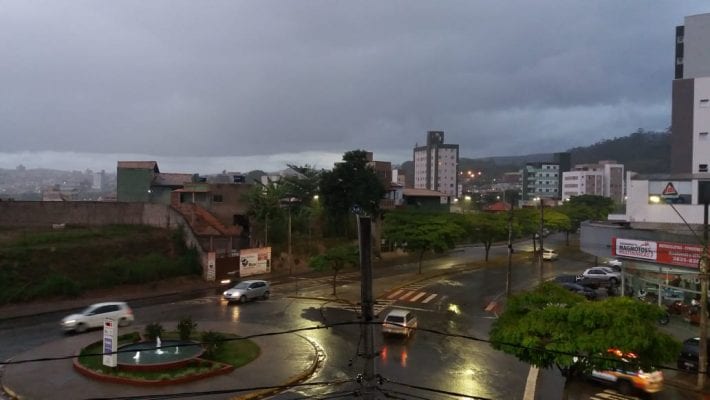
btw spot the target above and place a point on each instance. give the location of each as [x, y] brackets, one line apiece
[66, 161]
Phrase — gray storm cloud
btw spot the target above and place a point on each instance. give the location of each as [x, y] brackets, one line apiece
[244, 78]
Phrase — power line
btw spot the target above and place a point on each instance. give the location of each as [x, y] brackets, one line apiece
[224, 391]
[327, 326]
[438, 391]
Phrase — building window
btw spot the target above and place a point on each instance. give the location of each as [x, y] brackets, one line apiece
[703, 168]
[704, 103]
[217, 198]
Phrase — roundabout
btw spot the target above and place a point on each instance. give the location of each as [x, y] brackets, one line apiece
[282, 360]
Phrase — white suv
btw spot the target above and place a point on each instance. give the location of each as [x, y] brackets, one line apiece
[399, 322]
[94, 315]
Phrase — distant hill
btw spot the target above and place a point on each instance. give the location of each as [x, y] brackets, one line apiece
[645, 152]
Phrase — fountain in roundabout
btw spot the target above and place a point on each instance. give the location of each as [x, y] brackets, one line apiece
[158, 355]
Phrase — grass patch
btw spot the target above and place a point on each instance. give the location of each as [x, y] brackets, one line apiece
[37, 263]
[233, 352]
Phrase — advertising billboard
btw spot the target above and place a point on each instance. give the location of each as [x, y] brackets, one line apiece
[255, 261]
[680, 254]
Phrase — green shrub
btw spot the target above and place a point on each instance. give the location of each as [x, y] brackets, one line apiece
[185, 328]
[129, 338]
[213, 342]
[55, 285]
[153, 330]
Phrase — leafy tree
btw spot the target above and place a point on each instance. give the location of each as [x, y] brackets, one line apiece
[419, 233]
[583, 208]
[351, 184]
[306, 212]
[550, 326]
[486, 228]
[305, 185]
[264, 204]
[528, 222]
[556, 220]
[335, 259]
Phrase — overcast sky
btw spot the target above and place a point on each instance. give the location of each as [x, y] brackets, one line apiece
[204, 86]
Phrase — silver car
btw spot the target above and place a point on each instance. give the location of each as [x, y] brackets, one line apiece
[248, 290]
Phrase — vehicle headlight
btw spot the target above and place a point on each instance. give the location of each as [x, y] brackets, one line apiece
[225, 294]
[69, 322]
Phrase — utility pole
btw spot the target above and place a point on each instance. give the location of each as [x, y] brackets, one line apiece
[365, 241]
[509, 271]
[703, 350]
[542, 225]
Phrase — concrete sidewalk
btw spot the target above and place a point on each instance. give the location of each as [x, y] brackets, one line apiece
[284, 360]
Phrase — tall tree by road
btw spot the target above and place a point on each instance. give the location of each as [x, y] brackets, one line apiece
[487, 228]
[264, 205]
[335, 259]
[583, 208]
[549, 326]
[352, 185]
[419, 233]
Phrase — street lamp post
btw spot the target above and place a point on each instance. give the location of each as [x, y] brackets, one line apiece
[288, 202]
[542, 225]
[703, 348]
[509, 271]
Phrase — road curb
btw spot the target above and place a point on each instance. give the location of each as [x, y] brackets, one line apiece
[300, 377]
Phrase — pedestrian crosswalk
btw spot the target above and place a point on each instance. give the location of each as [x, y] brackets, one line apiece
[610, 394]
[411, 295]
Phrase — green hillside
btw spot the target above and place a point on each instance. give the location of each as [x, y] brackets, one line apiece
[41, 263]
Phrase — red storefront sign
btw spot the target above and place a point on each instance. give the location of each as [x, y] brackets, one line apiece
[680, 254]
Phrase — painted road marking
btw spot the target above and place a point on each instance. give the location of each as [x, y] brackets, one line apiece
[430, 298]
[530, 384]
[404, 297]
[395, 294]
[417, 297]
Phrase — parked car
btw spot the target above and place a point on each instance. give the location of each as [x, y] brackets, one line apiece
[688, 358]
[549, 255]
[602, 274]
[248, 290]
[94, 316]
[399, 322]
[614, 264]
[579, 280]
[628, 379]
[590, 294]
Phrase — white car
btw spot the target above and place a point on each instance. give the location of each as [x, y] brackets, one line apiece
[94, 316]
[549, 255]
[399, 322]
[247, 290]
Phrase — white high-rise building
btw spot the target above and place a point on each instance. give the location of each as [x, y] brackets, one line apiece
[690, 122]
[436, 165]
[605, 178]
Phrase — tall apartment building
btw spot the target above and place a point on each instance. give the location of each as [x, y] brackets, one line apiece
[436, 165]
[605, 178]
[690, 121]
[544, 179]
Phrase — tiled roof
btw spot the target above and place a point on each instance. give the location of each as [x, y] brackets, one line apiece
[415, 192]
[498, 206]
[139, 165]
[168, 179]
